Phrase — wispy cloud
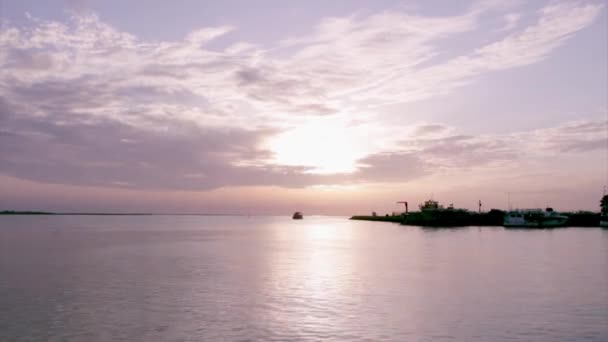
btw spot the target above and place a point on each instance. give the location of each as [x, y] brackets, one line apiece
[108, 107]
[554, 25]
[511, 21]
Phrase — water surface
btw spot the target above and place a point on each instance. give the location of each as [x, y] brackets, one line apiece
[205, 278]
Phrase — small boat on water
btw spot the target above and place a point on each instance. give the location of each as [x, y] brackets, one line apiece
[297, 215]
[534, 218]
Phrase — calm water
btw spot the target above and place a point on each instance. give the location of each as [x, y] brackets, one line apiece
[177, 278]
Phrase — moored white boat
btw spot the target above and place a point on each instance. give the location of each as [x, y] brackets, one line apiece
[534, 218]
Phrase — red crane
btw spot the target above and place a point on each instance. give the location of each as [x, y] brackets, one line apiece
[405, 203]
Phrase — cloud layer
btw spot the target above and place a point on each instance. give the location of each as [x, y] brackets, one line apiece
[84, 103]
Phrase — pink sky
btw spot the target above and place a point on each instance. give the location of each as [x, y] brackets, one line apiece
[328, 109]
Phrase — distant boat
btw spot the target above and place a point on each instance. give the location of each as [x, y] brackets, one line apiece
[430, 205]
[434, 214]
[433, 207]
[534, 218]
[297, 215]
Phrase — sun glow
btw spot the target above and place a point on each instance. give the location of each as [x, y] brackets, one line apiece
[325, 145]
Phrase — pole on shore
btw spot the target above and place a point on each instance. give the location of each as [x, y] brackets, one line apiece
[405, 203]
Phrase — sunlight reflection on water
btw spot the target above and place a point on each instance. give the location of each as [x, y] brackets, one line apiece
[269, 278]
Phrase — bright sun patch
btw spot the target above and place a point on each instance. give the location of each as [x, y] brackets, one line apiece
[326, 146]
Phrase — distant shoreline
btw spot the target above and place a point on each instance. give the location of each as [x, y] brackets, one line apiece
[42, 213]
[493, 218]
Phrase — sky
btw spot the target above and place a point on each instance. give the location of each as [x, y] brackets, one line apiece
[333, 108]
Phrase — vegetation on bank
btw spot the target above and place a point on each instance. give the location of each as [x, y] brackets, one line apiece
[583, 219]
